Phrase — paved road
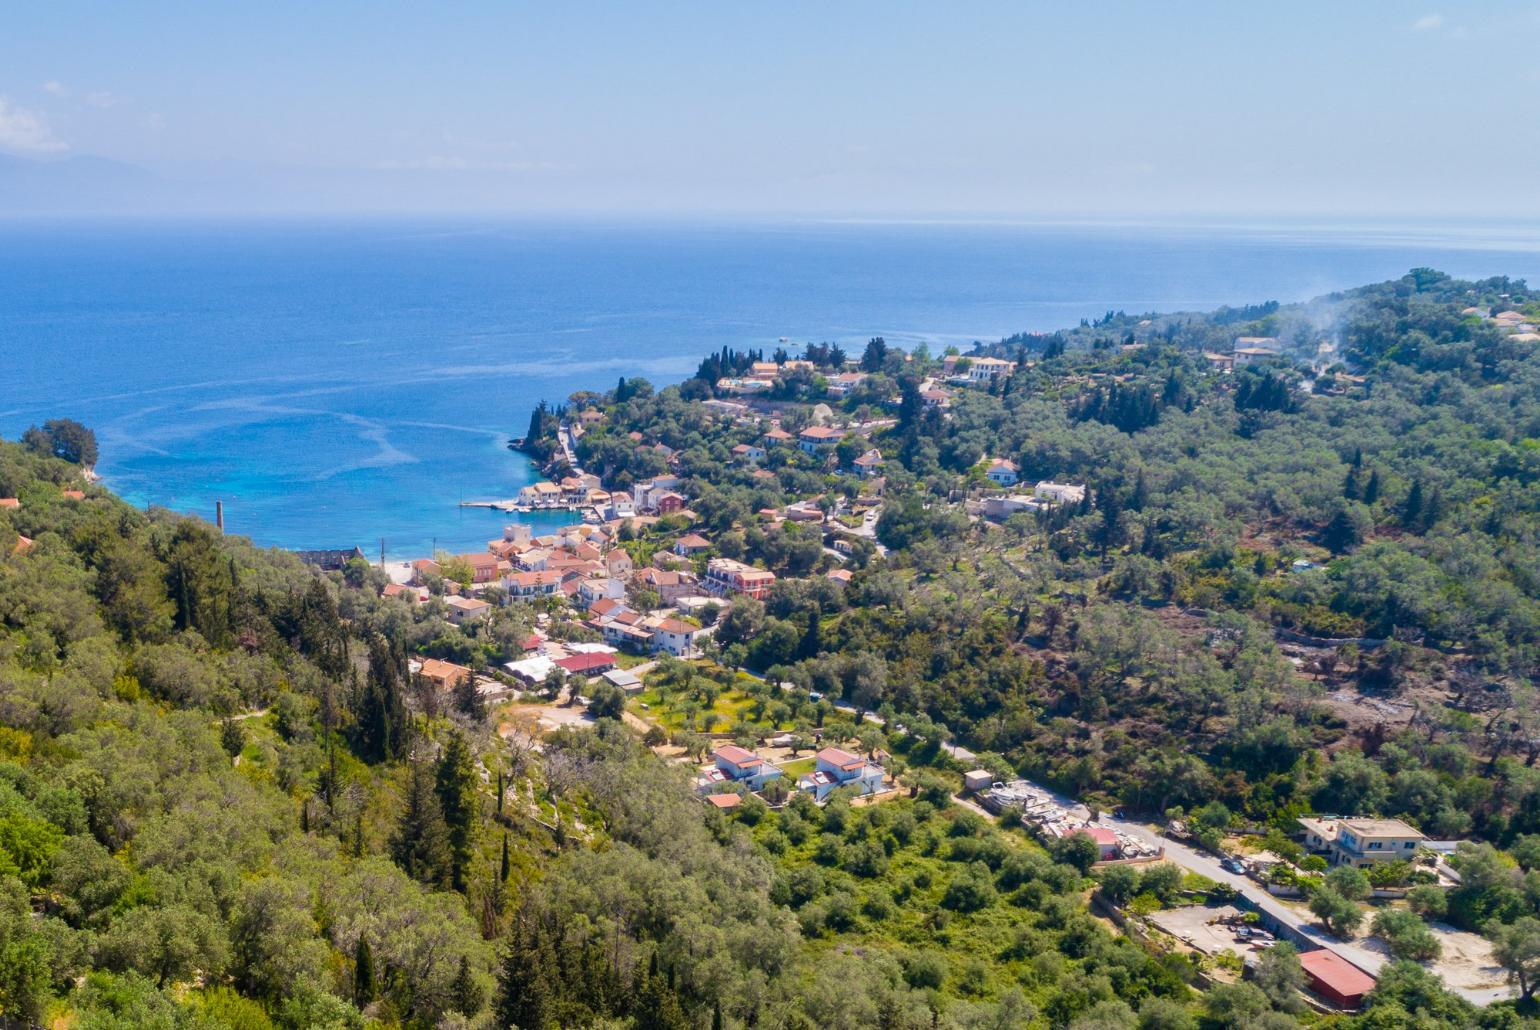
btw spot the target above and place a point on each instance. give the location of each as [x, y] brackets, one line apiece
[1206, 865]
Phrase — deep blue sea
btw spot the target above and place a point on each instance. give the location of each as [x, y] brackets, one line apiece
[335, 384]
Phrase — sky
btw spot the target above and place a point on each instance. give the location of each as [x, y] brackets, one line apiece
[991, 108]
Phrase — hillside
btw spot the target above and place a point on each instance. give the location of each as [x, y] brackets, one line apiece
[228, 797]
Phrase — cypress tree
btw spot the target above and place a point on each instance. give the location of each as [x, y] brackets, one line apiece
[363, 973]
[455, 785]
[1411, 508]
[1372, 487]
[420, 845]
[503, 869]
[812, 639]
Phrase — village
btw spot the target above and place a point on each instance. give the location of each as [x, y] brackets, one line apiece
[611, 623]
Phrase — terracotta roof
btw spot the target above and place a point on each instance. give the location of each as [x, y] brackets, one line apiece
[739, 756]
[677, 626]
[446, 672]
[725, 801]
[581, 663]
[840, 758]
[534, 579]
[1327, 967]
[9, 502]
[1100, 834]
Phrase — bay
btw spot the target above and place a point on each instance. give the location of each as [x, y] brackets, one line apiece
[340, 383]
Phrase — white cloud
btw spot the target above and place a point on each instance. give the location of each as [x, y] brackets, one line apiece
[23, 132]
[1428, 22]
[103, 98]
[56, 87]
[441, 163]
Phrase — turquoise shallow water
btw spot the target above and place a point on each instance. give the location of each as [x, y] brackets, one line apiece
[338, 383]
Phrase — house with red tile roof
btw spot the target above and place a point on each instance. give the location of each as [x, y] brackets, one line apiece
[483, 566]
[416, 595]
[674, 636]
[670, 584]
[590, 663]
[742, 766]
[724, 576]
[525, 585]
[868, 464]
[834, 768]
[1002, 472]
[691, 543]
[819, 438]
[1106, 841]
[443, 675]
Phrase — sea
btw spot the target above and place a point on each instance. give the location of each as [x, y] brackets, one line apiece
[342, 383]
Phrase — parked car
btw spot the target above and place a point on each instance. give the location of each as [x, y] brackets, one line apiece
[1233, 865]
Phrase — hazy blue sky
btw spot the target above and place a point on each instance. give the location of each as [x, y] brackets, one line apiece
[851, 107]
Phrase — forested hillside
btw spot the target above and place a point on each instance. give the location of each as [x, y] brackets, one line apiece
[1308, 584]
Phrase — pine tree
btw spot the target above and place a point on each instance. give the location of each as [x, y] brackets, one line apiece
[420, 845]
[455, 785]
[466, 991]
[503, 868]
[526, 982]
[363, 973]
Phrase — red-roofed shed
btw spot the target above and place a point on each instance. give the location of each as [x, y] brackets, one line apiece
[1335, 978]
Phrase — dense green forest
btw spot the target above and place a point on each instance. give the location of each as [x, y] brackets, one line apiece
[226, 802]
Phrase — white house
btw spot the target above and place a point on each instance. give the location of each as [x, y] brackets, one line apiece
[673, 636]
[1060, 493]
[596, 589]
[1002, 471]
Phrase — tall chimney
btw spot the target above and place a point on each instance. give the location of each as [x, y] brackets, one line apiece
[219, 515]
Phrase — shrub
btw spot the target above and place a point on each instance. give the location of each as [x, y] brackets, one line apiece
[970, 890]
